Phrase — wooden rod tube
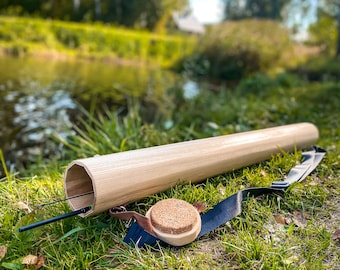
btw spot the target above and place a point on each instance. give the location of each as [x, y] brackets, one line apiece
[120, 178]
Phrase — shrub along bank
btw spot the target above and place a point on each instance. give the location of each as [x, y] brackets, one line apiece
[233, 50]
[26, 36]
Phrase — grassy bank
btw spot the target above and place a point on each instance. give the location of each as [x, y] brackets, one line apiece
[26, 36]
[254, 240]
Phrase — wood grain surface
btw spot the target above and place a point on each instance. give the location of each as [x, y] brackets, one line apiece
[121, 178]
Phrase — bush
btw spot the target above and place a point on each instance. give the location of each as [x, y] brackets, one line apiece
[320, 68]
[261, 84]
[233, 50]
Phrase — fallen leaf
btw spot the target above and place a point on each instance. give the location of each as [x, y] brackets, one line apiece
[23, 206]
[40, 263]
[3, 251]
[280, 219]
[290, 260]
[263, 173]
[289, 220]
[212, 125]
[314, 183]
[336, 235]
[299, 219]
[199, 206]
[30, 260]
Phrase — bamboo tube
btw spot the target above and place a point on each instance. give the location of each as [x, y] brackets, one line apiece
[120, 178]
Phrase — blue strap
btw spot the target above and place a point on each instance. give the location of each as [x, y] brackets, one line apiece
[232, 206]
[139, 237]
[229, 208]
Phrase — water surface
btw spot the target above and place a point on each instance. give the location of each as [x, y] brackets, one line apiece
[40, 97]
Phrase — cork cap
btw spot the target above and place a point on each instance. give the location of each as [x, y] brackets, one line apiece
[175, 221]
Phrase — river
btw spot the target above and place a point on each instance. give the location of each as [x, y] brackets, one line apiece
[41, 96]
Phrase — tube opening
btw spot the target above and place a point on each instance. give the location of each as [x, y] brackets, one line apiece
[78, 182]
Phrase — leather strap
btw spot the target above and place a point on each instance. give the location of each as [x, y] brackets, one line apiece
[143, 221]
[141, 233]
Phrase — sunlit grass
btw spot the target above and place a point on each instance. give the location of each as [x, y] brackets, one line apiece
[32, 36]
[253, 240]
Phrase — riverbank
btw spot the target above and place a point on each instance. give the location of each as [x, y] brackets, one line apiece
[275, 232]
[66, 40]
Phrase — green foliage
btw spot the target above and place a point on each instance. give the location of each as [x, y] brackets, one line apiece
[22, 36]
[234, 50]
[111, 132]
[321, 68]
[324, 33]
[261, 85]
[257, 102]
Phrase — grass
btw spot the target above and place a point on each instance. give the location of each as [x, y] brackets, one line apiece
[29, 36]
[253, 240]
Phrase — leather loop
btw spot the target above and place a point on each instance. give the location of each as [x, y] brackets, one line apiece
[143, 221]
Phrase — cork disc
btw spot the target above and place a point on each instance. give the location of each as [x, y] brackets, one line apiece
[173, 216]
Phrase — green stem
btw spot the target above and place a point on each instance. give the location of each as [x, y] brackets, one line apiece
[5, 169]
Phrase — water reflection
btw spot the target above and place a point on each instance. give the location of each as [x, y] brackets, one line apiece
[28, 120]
[39, 115]
[190, 89]
[40, 96]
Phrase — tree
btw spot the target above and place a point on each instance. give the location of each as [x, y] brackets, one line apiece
[264, 9]
[323, 33]
[165, 9]
[326, 30]
[338, 41]
[151, 14]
